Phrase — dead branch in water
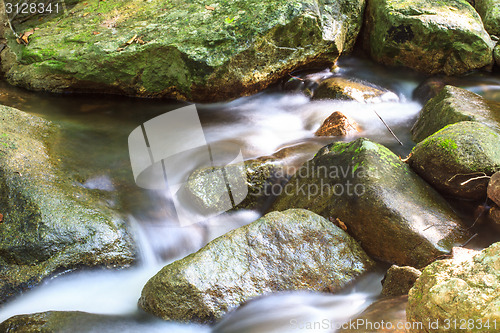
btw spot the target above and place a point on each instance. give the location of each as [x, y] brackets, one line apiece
[387, 126]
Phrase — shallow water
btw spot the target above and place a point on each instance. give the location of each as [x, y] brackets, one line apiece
[94, 150]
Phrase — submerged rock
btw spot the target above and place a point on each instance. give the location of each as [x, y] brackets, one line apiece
[429, 36]
[489, 10]
[348, 89]
[453, 157]
[464, 289]
[337, 124]
[387, 315]
[82, 322]
[453, 105]
[48, 224]
[394, 214]
[181, 49]
[291, 250]
[399, 280]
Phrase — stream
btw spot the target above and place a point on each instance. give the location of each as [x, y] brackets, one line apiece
[94, 149]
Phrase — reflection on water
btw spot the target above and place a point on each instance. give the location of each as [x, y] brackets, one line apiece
[93, 149]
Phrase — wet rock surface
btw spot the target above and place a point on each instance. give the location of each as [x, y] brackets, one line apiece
[494, 188]
[451, 159]
[489, 10]
[463, 288]
[453, 105]
[180, 49]
[350, 89]
[428, 36]
[399, 280]
[394, 214]
[337, 124]
[291, 250]
[49, 224]
[208, 190]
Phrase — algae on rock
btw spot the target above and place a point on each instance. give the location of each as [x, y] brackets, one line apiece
[395, 215]
[49, 224]
[291, 250]
[463, 288]
[429, 36]
[180, 49]
[452, 105]
[453, 159]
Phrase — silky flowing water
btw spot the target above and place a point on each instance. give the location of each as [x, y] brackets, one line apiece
[94, 151]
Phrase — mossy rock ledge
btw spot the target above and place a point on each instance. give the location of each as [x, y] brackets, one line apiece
[489, 10]
[452, 105]
[190, 50]
[429, 36]
[453, 157]
[291, 250]
[49, 224]
[394, 214]
[465, 289]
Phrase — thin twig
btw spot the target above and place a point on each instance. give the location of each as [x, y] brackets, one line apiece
[475, 178]
[296, 77]
[466, 174]
[394, 135]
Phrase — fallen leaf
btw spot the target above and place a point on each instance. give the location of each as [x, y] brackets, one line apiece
[24, 37]
[1, 218]
[85, 14]
[209, 7]
[96, 32]
[120, 49]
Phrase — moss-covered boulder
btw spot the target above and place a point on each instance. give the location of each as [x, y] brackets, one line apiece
[489, 10]
[192, 50]
[387, 315]
[250, 185]
[354, 90]
[452, 158]
[429, 36]
[49, 224]
[292, 250]
[394, 214]
[453, 105]
[465, 289]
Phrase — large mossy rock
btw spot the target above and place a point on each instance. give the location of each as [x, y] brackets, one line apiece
[291, 250]
[489, 10]
[453, 105]
[461, 289]
[429, 36]
[450, 159]
[192, 50]
[394, 214]
[49, 224]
